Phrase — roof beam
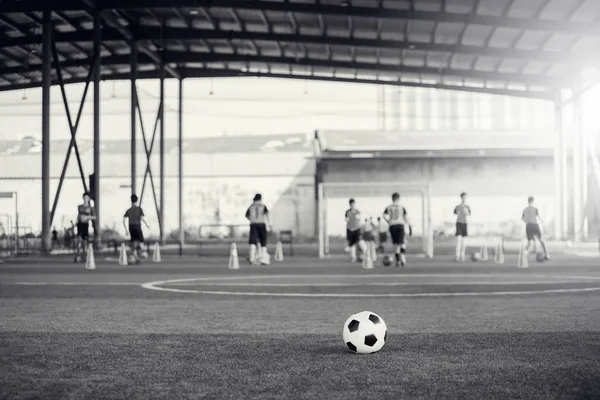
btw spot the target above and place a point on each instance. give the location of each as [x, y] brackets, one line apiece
[185, 57]
[207, 73]
[535, 24]
[152, 33]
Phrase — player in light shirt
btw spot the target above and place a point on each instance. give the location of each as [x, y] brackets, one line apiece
[462, 212]
[396, 217]
[353, 225]
[531, 216]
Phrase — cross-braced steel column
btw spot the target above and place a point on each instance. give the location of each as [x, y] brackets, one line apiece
[180, 175]
[97, 39]
[46, 69]
[161, 215]
[133, 66]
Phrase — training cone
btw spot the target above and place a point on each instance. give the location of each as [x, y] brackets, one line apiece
[373, 251]
[484, 251]
[367, 262]
[234, 262]
[90, 263]
[258, 255]
[499, 256]
[123, 255]
[523, 261]
[156, 253]
[279, 252]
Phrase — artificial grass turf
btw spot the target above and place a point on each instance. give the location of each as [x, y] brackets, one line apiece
[311, 366]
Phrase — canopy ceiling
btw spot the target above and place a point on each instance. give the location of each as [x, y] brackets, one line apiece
[525, 48]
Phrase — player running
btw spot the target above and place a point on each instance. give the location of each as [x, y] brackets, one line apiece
[353, 226]
[396, 217]
[382, 229]
[85, 214]
[258, 215]
[462, 212]
[132, 222]
[531, 216]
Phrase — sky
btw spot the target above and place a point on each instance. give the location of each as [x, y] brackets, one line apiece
[255, 106]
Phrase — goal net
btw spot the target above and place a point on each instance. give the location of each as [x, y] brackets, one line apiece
[371, 200]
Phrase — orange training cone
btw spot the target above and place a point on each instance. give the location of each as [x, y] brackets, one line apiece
[279, 252]
[90, 263]
[234, 262]
[523, 261]
[123, 255]
[156, 253]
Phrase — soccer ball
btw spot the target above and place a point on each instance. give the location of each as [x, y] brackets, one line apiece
[132, 259]
[387, 261]
[540, 257]
[144, 255]
[365, 332]
[476, 256]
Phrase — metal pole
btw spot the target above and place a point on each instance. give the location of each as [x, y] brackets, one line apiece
[97, 38]
[558, 200]
[46, 71]
[564, 158]
[180, 146]
[577, 200]
[162, 150]
[133, 68]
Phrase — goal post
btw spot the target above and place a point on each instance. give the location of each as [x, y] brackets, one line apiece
[372, 198]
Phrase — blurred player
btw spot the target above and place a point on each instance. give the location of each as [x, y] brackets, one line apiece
[132, 222]
[258, 215]
[462, 212]
[368, 231]
[531, 216]
[85, 214]
[353, 229]
[395, 215]
[382, 229]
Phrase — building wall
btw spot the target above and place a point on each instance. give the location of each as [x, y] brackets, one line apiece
[218, 188]
[498, 189]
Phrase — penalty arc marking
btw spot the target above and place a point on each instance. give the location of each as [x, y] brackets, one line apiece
[159, 286]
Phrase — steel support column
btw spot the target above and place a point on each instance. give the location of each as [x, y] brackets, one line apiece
[46, 77]
[564, 165]
[133, 67]
[97, 203]
[558, 182]
[180, 174]
[161, 215]
[577, 178]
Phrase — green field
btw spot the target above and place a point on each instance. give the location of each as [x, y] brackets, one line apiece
[475, 330]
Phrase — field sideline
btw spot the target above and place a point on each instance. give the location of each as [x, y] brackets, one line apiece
[191, 328]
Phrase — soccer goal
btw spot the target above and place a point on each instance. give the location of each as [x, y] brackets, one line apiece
[371, 199]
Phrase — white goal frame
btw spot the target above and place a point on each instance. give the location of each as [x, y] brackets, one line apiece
[413, 188]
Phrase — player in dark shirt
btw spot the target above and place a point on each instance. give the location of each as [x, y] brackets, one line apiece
[132, 221]
[258, 215]
[85, 214]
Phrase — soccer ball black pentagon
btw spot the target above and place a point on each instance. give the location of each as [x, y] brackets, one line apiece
[364, 332]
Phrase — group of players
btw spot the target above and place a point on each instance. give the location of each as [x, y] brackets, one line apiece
[396, 216]
[132, 222]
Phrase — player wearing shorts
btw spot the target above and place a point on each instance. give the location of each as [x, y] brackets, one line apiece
[382, 229]
[395, 215]
[353, 226]
[531, 216]
[132, 222]
[85, 214]
[258, 215]
[462, 212]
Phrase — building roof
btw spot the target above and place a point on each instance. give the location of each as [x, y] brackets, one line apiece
[517, 47]
[377, 144]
